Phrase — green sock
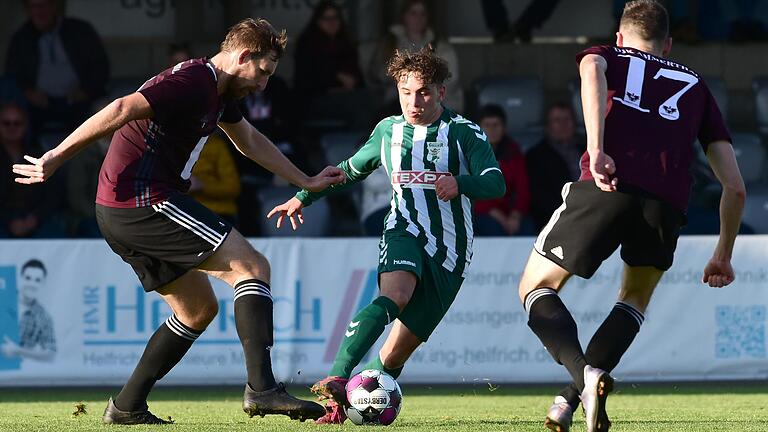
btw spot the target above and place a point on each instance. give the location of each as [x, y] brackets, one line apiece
[377, 364]
[362, 333]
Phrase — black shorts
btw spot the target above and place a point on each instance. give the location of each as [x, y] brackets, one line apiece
[164, 241]
[590, 224]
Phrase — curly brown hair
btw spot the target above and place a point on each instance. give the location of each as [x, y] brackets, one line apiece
[257, 35]
[424, 63]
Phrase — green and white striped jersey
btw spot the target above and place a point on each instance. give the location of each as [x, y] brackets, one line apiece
[415, 157]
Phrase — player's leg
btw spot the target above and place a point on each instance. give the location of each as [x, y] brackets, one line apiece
[194, 306]
[238, 264]
[614, 336]
[581, 234]
[396, 288]
[397, 349]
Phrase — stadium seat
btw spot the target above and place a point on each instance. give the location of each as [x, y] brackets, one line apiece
[750, 155]
[760, 87]
[339, 146]
[756, 208]
[522, 99]
[316, 216]
[719, 91]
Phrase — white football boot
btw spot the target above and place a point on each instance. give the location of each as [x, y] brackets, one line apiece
[597, 385]
[559, 416]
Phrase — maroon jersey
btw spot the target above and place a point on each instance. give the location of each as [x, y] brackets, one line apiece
[656, 110]
[150, 159]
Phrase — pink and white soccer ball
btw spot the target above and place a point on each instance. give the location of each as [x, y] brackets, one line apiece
[374, 398]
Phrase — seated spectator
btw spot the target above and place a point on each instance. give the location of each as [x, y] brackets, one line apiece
[327, 66]
[215, 180]
[503, 216]
[60, 64]
[27, 210]
[411, 34]
[273, 112]
[554, 161]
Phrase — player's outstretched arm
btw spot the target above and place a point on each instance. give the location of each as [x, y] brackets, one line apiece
[258, 148]
[104, 122]
[594, 94]
[718, 272]
[290, 209]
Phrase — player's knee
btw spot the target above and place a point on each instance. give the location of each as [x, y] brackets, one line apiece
[401, 297]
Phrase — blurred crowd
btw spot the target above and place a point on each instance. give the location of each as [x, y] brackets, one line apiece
[57, 74]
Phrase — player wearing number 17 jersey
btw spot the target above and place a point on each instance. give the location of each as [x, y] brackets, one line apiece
[437, 163]
[642, 113]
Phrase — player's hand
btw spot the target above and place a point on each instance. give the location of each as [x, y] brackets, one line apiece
[718, 273]
[447, 188]
[602, 168]
[331, 175]
[37, 170]
[290, 209]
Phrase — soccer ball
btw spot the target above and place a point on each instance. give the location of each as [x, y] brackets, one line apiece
[374, 398]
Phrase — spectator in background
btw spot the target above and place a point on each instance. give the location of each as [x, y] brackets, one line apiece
[533, 17]
[411, 34]
[327, 65]
[60, 64]
[215, 180]
[554, 161]
[26, 211]
[503, 216]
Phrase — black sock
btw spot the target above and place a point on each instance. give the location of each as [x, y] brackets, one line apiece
[253, 319]
[553, 324]
[610, 342]
[164, 350]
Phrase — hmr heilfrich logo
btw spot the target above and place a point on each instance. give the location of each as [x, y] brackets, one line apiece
[740, 331]
[26, 328]
[361, 290]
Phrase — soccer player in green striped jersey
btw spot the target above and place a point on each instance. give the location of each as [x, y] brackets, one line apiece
[438, 162]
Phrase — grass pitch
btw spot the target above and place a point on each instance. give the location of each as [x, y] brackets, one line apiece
[486, 408]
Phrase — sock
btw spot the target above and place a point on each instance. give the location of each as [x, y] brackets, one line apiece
[609, 343]
[377, 364]
[165, 348]
[553, 324]
[253, 320]
[362, 333]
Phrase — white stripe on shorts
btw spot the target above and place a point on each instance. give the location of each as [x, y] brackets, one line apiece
[184, 219]
[539, 244]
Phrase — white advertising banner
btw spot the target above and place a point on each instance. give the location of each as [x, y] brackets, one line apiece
[87, 319]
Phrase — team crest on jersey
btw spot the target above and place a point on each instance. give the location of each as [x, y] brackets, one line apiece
[433, 151]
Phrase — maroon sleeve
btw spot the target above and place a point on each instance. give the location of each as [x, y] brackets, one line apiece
[713, 126]
[180, 92]
[603, 51]
[231, 113]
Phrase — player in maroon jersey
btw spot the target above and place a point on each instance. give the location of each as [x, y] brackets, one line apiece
[172, 242]
[642, 114]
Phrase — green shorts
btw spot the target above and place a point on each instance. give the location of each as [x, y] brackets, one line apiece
[436, 287]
